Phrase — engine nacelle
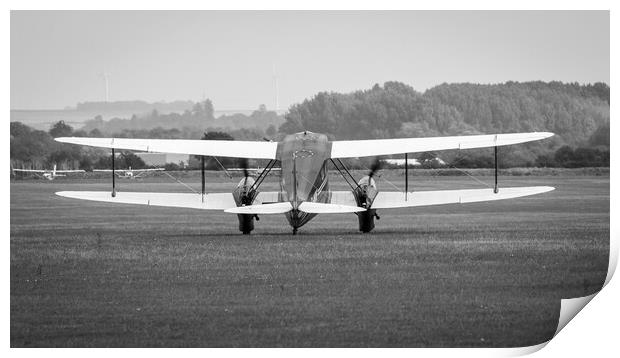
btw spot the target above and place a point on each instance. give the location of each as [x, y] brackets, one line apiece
[365, 194]
[244, 195]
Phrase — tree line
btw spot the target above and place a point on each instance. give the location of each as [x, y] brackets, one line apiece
[577, 114]
[191, 123]
[36, 149]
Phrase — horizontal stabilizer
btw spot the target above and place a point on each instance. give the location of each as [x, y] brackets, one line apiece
[386, 200]
[215, 201]
[322, 208]
[274, 208]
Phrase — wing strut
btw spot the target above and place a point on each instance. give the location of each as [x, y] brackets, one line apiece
[202, 173]
[263, 174]
[353, 187]
[496, 189]
[406, 176]
[113, 176]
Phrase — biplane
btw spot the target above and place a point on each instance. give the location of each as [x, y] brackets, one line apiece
[303, 177]
[129, 173]
[49, 174]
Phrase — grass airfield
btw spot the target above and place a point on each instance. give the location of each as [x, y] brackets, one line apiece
[88, 274]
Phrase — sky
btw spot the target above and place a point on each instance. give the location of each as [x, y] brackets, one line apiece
[58, 57]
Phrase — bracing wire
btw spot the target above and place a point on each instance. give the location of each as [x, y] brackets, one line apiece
[452, 165]
[180, 182]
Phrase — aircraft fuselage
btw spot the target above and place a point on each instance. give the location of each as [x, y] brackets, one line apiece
[303, 157]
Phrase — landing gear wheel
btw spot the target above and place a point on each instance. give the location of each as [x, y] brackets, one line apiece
[367, 220]
[246, 223]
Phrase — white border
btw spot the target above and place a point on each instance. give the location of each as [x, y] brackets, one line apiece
[593, 331]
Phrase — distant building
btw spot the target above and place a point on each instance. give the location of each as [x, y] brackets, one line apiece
[401, 162]
[161, 159]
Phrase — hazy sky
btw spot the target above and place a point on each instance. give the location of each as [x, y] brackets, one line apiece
[57, 58]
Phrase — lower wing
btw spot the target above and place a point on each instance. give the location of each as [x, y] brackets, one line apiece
[71, 171]
[212, 201]
[341, 201]
[265, 202]
[396, 199]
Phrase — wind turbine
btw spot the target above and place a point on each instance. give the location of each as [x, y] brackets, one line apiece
[275, 84]
[106, 79]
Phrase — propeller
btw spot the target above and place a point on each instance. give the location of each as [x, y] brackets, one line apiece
[374, 168]
[243, 163]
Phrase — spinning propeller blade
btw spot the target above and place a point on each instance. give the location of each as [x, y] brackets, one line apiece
[374, 168]
[244, 165]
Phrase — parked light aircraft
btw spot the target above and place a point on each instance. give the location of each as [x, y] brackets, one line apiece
[304, 188]
[49, 174]
[129, 173]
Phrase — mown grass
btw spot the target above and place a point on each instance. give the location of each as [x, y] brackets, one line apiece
[487, 274]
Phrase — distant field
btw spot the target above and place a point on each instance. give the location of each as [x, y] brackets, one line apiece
[397, 175]
[486, 274]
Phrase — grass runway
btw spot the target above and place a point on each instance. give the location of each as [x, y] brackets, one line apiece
[87, 274]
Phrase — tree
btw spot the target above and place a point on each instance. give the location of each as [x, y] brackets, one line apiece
[211, 163]
[19, 129]
[95, 133]
[565, 156]
[271, 130]
[130, 160]
[601, 136]
[61, 129]
[122, 161]
[217, 136]
[544, 161]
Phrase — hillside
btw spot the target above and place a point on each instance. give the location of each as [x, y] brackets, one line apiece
[574, 112]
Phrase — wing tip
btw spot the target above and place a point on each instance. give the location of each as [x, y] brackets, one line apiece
[68, 194]
[544, 135]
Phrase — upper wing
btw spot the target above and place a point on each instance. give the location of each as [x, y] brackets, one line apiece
[375, 147]
[216, 148]
[71, 171]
